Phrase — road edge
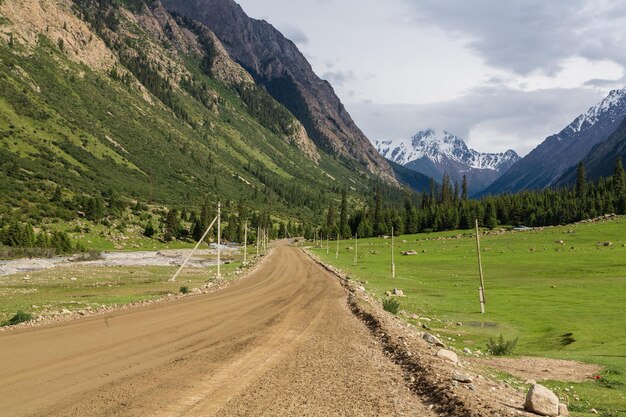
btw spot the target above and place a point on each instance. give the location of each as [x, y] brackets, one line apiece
[426, 375]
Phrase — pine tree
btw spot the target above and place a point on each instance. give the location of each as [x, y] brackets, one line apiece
[344, 228]
[330, 220]
[619, 178]
[581, 180]
[149, 230]
[464, 189]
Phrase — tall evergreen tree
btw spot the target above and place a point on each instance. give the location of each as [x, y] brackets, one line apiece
[581, 180]
[344, 228]
[464, 189]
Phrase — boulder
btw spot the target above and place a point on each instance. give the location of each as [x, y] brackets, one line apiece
[540, 400]
[398, 293]
[563, 411]
[461, 377]
[449, 356]
[409, 253]
[433, 340]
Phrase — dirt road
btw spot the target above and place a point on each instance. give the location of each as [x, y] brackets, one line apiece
[279, 342]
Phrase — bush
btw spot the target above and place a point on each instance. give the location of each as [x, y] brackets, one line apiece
[19, 317]
[391, 305]
[184, 290]
[501, 347]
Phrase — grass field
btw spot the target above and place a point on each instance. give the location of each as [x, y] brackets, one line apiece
[90, 287]
[560, 290]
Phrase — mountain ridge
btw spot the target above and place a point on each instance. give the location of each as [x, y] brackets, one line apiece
[435, 153]
[542, 168]
[276, 63]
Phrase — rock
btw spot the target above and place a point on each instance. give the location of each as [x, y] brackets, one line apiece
[458, 376]
[398, 293]
[433, 340]
[448, 355]
[563, 411]
[409, 253]
[540, 400]
[608, 243]
[467, 351]
[388, 293]
[559, 242]
[593, 411]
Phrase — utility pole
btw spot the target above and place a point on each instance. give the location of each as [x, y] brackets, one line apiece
[245, 243]
[393, 264]
[327, 242]
[219, 238]
[481, 290]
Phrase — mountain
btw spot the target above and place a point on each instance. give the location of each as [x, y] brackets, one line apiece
[276, 63]
[544, 166]
[437, 153]
[103, 97]
[600, 161]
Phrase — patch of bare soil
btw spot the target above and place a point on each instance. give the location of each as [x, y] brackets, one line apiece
[540, 369]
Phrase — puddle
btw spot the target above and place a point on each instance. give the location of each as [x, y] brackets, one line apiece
[484, 324]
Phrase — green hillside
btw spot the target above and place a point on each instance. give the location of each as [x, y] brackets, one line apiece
[159, 127]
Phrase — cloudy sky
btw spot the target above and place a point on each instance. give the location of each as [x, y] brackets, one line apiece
[501, 74]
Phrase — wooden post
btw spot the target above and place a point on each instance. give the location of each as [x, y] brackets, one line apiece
[245, 243]
[194, 249]
[258, 238]
[327, 243]
[480, 271]
[356, 248]
[219, 238]
[337, 250]
[393, 264]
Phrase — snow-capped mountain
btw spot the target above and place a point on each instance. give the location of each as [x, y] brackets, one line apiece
[544, 166]
[435, 153]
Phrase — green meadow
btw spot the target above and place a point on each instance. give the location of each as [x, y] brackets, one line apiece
[560, 290]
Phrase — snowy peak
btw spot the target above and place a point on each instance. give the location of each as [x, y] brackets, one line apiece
[443, 148]
[613, 104]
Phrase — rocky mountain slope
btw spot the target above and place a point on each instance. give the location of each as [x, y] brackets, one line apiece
[276, 63]
[437, 153]
[99, 97]
[600, 161]
[544, 166]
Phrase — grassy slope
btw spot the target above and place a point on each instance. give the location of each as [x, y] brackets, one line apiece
[59, 123]
[536, 289]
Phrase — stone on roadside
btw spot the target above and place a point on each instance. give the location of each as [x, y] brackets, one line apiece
[433, 340]
[409, 253]
[540, 400]
[461, 377]
[467, 351]
[563, 411]
[448, 355]
[398, 293]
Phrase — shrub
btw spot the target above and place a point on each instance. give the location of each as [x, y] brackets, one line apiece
[184, 290]
[501, 347]
[19, 317]
[391, 305]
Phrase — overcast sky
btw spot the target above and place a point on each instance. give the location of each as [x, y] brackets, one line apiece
[501, 74]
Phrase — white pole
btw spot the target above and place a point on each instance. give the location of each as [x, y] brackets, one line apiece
[393, 264]
[245, 243]
[480, 271]
[258, 237]
[337, 250]
[327, 243]
[194, 249]
[356, 248]
[219, 238]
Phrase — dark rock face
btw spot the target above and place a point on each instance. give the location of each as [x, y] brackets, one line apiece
[548, 162]
[276, 63]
